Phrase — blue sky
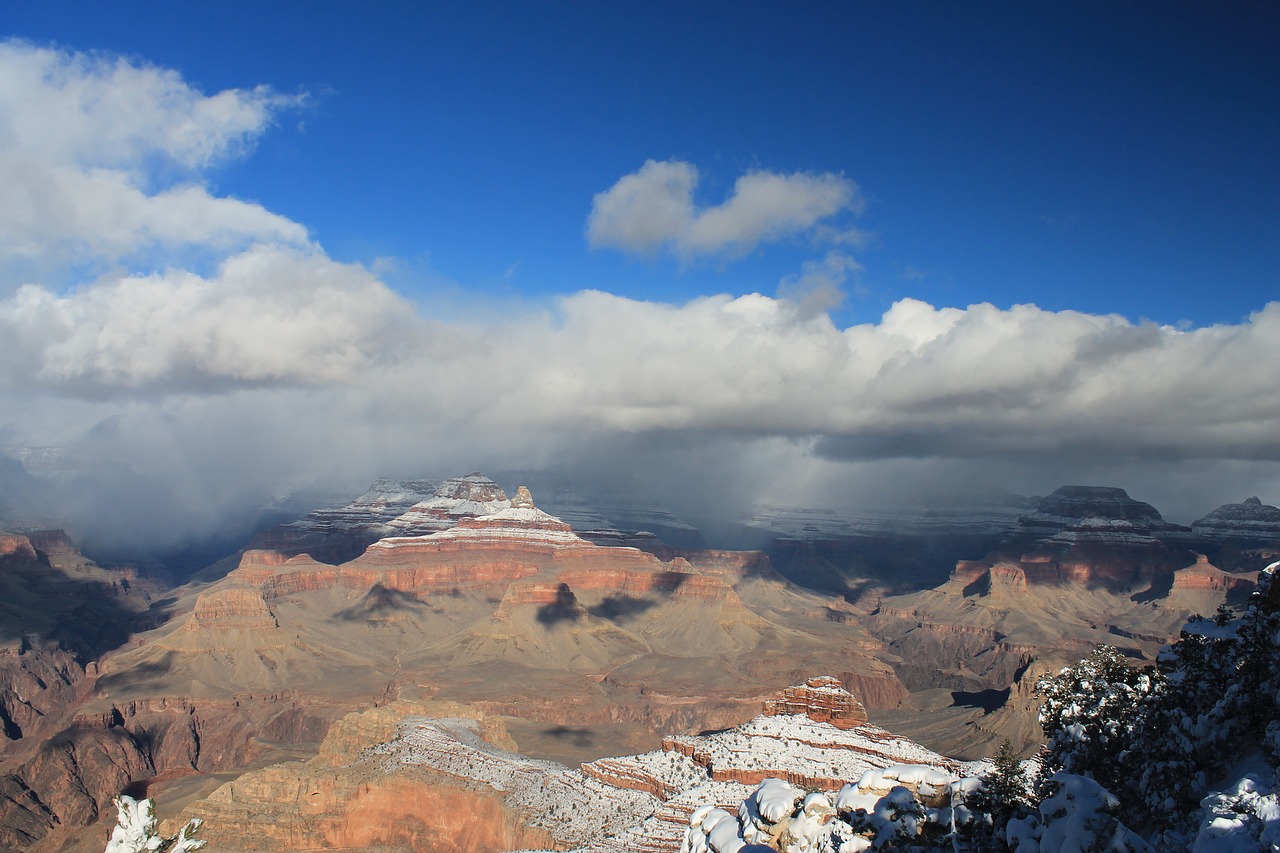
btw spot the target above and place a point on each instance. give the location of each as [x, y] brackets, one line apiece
[1103, 157]
[252, 246]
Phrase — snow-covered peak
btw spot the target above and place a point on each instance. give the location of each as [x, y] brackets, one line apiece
[471, 487]
[469, 496]
[515, 521]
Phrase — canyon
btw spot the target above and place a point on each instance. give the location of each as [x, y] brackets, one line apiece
[566, 639]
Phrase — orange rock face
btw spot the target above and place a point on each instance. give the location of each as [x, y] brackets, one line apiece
[283, 810]
[16, 545]
[822, 699]
[1008, 578]
[1205, 577]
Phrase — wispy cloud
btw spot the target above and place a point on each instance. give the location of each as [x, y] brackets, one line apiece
[819, 286]
[652, 210]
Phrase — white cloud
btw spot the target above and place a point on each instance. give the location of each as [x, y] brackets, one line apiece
[653, 209]
[270, 315]
[287, 367]
[85, 141]
[66, 213]
[105, 111]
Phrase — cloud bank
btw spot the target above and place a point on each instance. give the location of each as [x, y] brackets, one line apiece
[278, 366]
[918, 382]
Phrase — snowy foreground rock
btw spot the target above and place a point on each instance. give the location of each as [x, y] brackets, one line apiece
[661, 800]
[136, 830]
[790, 783]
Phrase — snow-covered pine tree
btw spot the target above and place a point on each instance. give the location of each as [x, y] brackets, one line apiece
[1090, 710]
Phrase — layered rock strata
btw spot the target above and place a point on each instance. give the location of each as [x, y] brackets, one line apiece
[822, 699]
[1111, 515]
[336, 535]
[1250, 523]
[456, 499]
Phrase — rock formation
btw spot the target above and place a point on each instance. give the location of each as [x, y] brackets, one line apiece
[1249, 523]
[1201, 588]
[455, 499]
[1110, 513]
[822, 699]
[1092, 566]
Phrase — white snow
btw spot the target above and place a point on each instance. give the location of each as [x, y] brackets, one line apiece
[135, 830]
[572, 806]
[1241, 819]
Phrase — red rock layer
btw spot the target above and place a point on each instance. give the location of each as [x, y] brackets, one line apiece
[1205, 577]
[626, 774]
[1008, 579]
[822, 699]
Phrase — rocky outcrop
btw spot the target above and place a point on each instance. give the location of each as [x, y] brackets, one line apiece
[16, 545]
[1007, 579]
[37, 682]
[972, 577]
[822, 699]
[233, 607]
[1203, 576]
[818, 747]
